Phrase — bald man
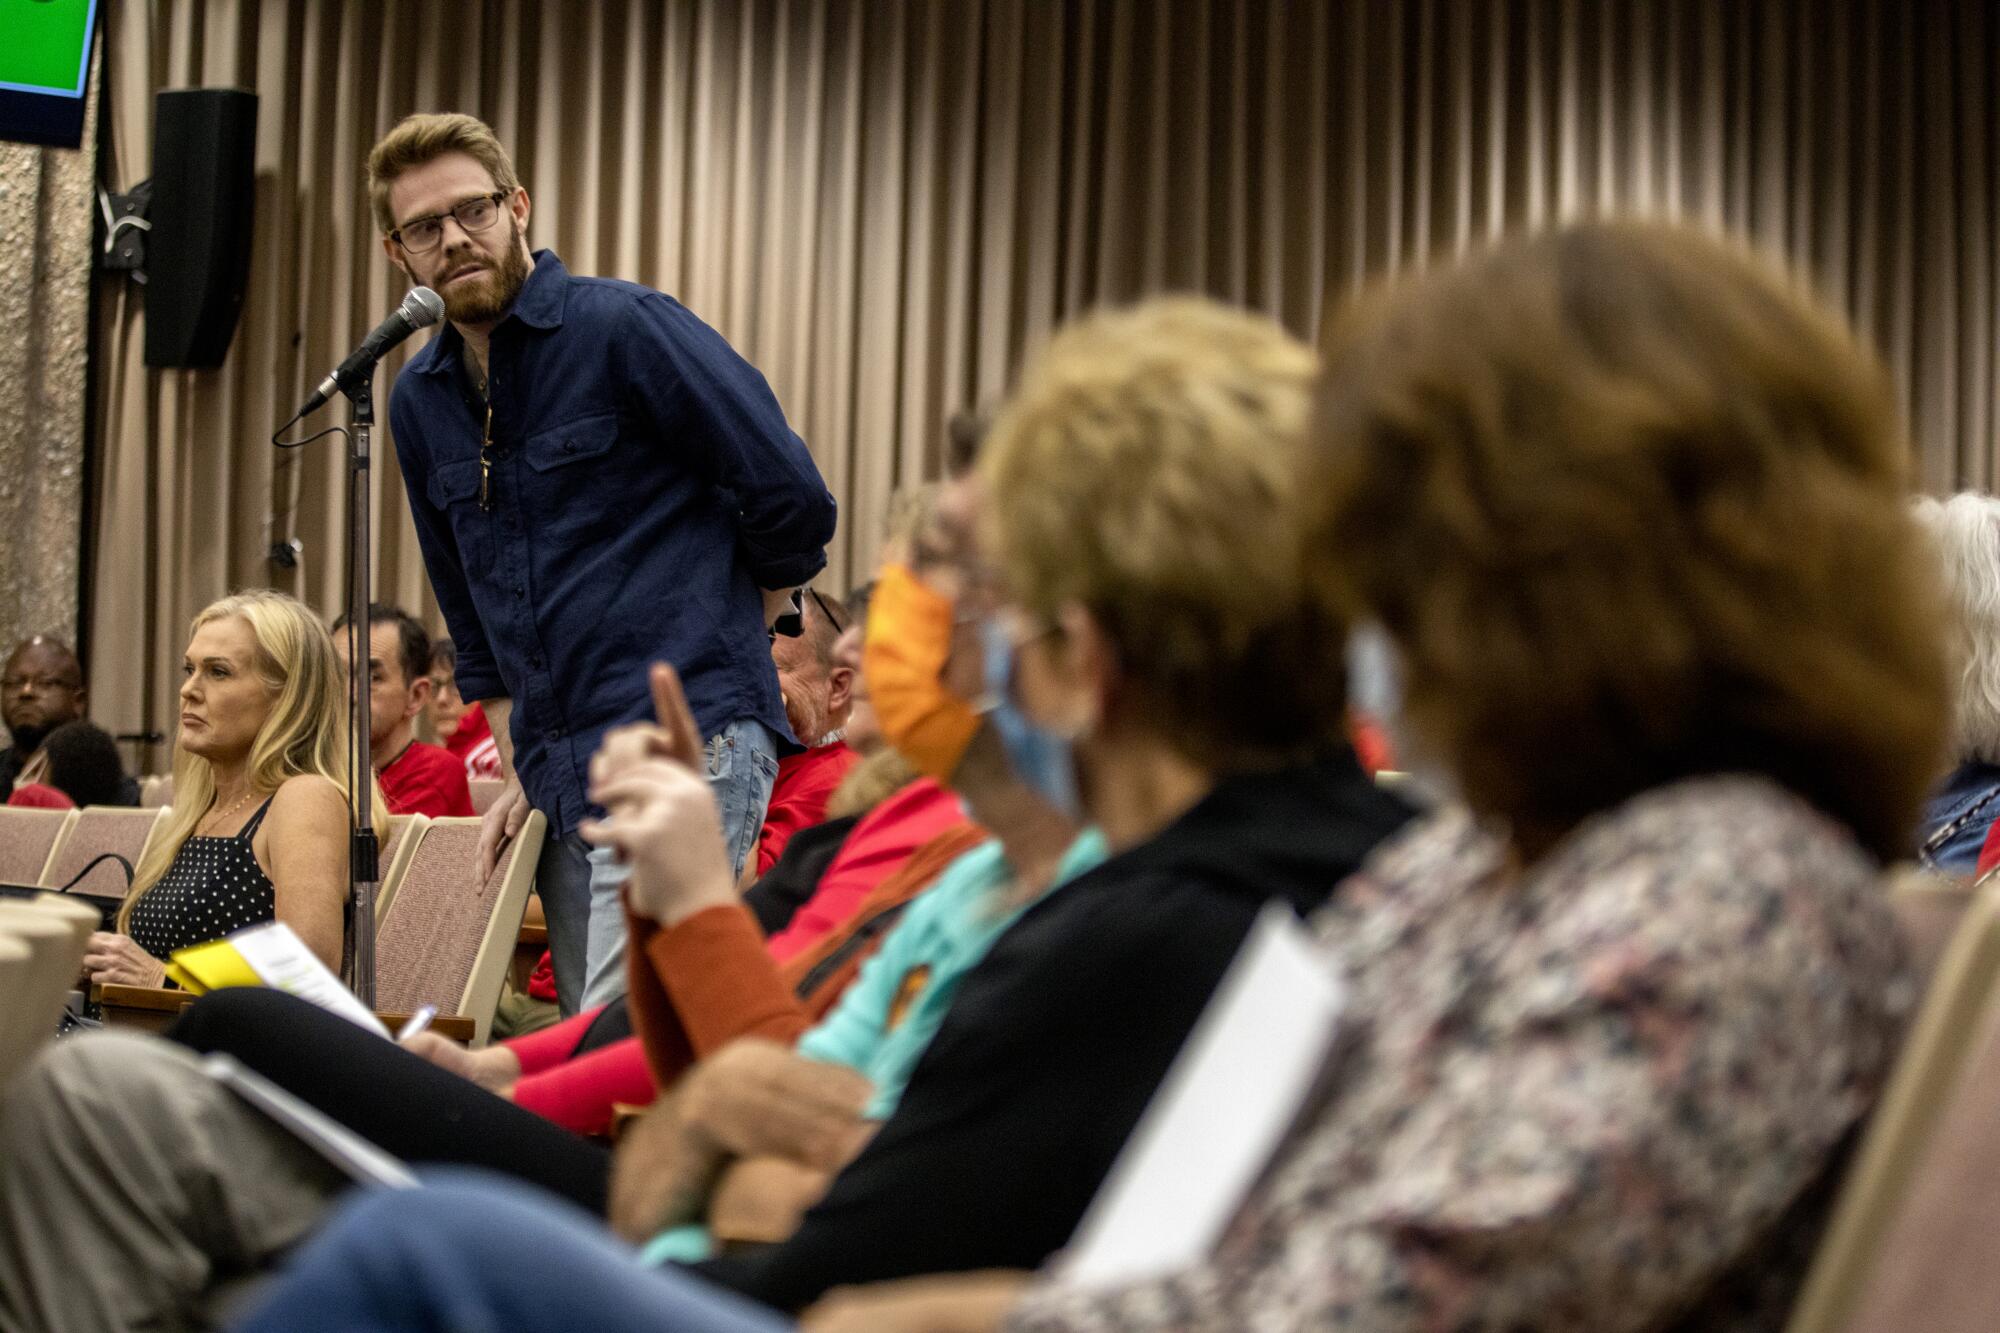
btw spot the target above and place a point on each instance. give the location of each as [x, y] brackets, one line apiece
[41, 687]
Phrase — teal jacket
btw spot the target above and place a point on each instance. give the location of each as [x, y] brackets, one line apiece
[887, 1017]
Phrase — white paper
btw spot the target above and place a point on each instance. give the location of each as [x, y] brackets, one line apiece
[1234, 1089]
[281, 961]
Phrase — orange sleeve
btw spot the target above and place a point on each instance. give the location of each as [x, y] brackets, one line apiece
[698, 985]
[652, 1011]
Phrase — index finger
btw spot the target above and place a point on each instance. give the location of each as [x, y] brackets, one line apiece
[671, 708]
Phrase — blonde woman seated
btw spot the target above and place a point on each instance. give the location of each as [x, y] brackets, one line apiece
[259, 828]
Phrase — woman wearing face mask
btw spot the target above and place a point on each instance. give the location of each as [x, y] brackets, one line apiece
[1164, 671]
[850, 1069]
[1632, 515]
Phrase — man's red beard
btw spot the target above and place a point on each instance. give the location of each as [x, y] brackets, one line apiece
[807, 718]
[484, 298]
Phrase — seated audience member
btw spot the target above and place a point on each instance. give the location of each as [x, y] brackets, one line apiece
[701, 983]
[409, 1105]
[1631, 514]
[1961, 809]
[818, 694]
[416, 778]
[260, 819]
[1163, 655]
[461, 727]
[83, 769]
[424, 1114]
[877, 772]
[40, 796]
[41, 689]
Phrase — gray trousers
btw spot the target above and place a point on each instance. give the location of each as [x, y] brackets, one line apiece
[135, 1193]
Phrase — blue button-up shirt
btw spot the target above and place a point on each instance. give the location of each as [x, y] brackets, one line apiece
[644, 487]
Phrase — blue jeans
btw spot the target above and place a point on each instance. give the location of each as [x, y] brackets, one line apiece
[742, 768]
[562, 879]
[478, 1254]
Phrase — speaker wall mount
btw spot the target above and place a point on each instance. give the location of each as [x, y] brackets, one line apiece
[125, 228]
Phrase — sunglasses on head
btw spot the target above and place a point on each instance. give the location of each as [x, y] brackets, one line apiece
[838, 622]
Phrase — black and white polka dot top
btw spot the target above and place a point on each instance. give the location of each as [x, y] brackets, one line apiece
[213, 888]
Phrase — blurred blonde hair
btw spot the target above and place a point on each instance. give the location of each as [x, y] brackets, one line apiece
[1148, 470]
[306, 731]
[424, 138]
[912, 512]
[1966, 531]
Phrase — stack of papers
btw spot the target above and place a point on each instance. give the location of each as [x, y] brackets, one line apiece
[268, 955]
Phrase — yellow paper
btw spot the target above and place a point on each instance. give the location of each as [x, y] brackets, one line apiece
[217, 964]
[272, 955]
[183, 978]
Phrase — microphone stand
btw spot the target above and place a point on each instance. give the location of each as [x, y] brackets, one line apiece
[355, 377]
[358, 958]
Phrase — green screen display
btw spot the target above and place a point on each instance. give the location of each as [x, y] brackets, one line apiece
[42, 44]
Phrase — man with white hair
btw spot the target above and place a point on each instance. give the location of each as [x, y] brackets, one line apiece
[1966, 529]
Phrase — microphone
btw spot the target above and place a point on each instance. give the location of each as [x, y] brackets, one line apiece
[420, 309]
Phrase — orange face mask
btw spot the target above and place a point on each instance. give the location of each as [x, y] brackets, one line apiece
[903, 660]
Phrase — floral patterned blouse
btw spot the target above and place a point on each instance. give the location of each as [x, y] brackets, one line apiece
[1605, 1093]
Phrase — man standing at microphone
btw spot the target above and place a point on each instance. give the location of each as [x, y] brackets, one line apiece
[598, 481]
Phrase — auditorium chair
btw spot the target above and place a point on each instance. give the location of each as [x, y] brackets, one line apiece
[392, 861]
[41, 951]
[484, 792]
[1946, 1050]
[155, 791]
[1933, 1268]
[95, 830]
[446, 939]
[154, 1007]
[27, 841]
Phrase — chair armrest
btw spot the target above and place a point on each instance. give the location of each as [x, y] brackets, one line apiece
[457, 1027]
[153, 1008]
[147, 1008]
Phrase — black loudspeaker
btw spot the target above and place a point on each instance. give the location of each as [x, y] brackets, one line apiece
[198, 251]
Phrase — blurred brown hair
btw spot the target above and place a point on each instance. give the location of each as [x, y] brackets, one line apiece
[1634, 511]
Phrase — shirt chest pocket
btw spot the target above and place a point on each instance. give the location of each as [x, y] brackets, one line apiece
[453, 483]
[578, 441]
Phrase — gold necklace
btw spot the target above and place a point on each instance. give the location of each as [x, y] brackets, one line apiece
[214, 818]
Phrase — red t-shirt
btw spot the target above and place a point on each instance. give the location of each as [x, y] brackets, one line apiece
[41, 796]
[806, 782]
[1989, 851]
[426, 780]
[1371, 743]
[473, 744]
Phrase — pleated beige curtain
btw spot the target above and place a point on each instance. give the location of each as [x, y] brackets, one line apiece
[886, 204]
